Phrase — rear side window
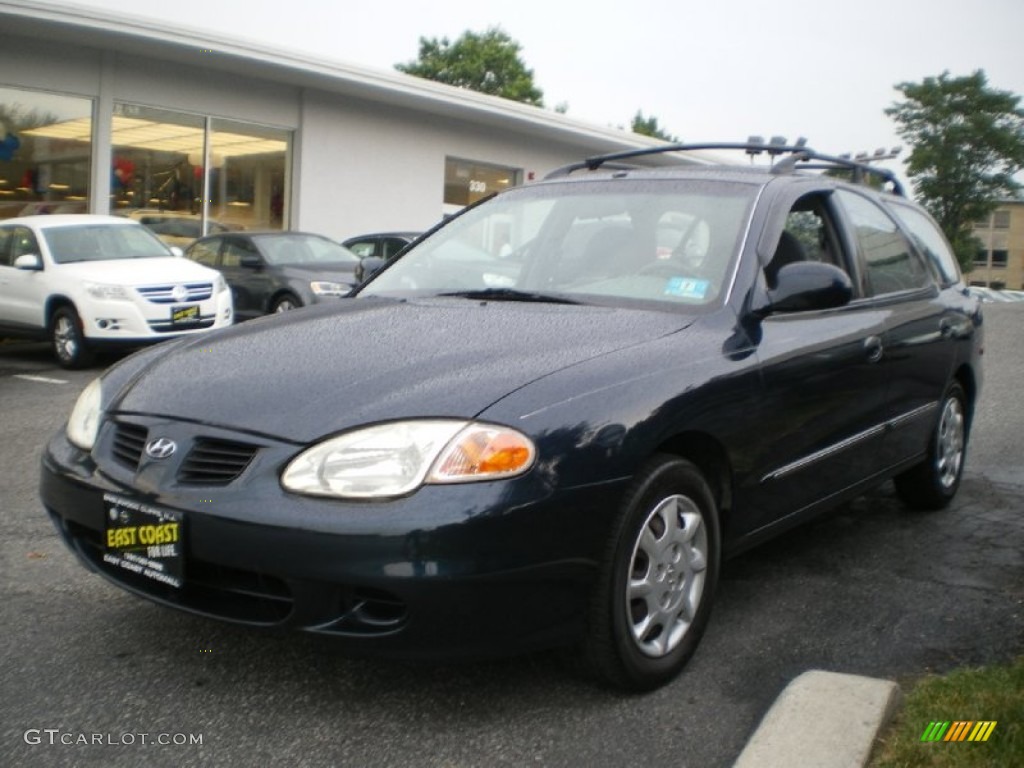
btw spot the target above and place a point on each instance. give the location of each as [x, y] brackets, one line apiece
[362, 249]
[891, 264]
[393, 245]
[930, 241]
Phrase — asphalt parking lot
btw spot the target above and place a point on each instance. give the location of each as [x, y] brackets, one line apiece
[91, 676]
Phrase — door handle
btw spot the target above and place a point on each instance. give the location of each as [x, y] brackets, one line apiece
[873, 349]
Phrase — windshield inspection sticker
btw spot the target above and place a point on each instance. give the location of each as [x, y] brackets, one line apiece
[687, 288]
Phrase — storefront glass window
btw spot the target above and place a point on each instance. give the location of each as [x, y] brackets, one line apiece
[160, 173]
[45, 151]
[248, 172]
[466, 181]
[157, 160]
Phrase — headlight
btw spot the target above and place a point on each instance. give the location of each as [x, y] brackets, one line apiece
[395, 459]
[106, 291]
[85, 417]
[325, 288]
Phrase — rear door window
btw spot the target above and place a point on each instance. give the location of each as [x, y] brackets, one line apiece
[891, 264]
[929, 240]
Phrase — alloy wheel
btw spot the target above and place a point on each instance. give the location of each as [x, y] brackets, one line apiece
[667, 575]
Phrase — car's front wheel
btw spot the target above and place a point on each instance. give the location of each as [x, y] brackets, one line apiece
[68, 339]
[654, 597]
[933, 483]
[285, 303]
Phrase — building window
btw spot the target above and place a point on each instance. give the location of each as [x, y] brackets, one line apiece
[466, 181]
[45, 153]
[1001, 220]
[248, 175]
[999, 258]
[981, 258]
[985, 223]
[157, 158]
[206, 174]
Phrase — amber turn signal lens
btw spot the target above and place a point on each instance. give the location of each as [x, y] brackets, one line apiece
[482, 452]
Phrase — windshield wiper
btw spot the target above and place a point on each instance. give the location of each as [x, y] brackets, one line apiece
[510, 294]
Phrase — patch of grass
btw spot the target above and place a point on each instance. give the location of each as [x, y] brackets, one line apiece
[989, 693]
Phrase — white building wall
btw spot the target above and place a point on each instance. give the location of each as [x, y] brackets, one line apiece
[199, 90]
[367, 167]
[28, 64]
[365, 163]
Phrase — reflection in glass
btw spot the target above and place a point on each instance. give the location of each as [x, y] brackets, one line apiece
[157, 159]
[43, 168]
[465, 181]
[247, 185]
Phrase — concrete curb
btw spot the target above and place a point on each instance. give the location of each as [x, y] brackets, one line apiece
[824, 719]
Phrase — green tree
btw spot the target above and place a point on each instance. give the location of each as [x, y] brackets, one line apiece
[648, 126]
[487, 62]
[967, 142]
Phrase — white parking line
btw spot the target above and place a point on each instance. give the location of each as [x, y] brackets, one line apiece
[43, 379]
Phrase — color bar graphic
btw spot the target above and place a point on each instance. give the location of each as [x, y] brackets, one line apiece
[959, 730]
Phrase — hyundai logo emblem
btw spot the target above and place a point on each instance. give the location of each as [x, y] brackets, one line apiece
[160, 448]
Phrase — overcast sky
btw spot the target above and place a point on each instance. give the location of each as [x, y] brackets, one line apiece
[709, 70]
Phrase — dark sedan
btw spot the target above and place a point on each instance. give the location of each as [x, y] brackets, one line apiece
[270, 272]
[480, 454]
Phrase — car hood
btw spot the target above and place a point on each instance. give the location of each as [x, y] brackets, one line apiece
[315, 371]
[171, 269]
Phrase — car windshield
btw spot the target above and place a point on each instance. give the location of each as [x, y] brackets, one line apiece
[280, 250]
[103, 242]
[670, 243]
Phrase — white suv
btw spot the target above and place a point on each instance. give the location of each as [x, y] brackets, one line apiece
[85, 281]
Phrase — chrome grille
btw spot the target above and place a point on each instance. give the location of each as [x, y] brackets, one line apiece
[215, 462]
[163, 294]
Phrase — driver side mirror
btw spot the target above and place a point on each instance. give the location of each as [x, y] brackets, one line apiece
[809, 285]
[31, 262]
[367, 266]
[250, 261]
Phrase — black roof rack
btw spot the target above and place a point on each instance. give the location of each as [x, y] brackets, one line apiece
[797, 153]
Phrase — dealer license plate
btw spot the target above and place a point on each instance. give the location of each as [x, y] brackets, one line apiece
[186, 315]
[143, 539]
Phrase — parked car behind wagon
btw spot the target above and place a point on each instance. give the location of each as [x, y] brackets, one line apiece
[273, 272]
[87, 282]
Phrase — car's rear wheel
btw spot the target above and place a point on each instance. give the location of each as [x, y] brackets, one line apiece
[284, 303]
[654, 597]
[933, 483]
[69, 344]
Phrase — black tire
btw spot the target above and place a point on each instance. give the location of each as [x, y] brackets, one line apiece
[933, 483]
[284, 303]
[628, 645]
[69, 345]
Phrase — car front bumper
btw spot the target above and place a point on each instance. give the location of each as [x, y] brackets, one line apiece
[470, 570]
[128, 322]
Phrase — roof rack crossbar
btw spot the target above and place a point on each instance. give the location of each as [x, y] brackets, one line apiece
[814, 161]
[795, 153]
